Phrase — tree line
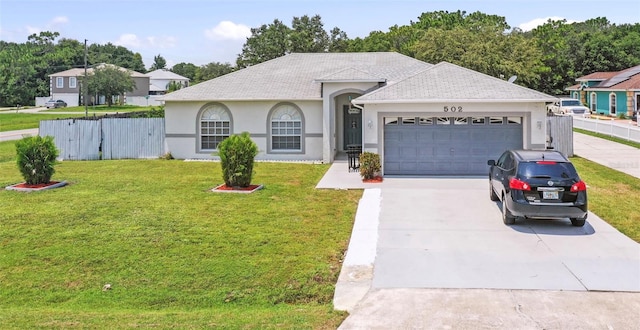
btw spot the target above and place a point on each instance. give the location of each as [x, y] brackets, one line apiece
[548, 58]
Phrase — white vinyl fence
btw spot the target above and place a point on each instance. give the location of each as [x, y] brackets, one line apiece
[107, 138]
[623, 130]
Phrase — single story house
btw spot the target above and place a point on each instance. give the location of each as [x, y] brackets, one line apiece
[65, 85]
[422, 119]
[609, 93]
[160, 79]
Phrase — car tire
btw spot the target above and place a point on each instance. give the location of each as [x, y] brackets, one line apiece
[577, 222]
[492, 193]
[507, 217]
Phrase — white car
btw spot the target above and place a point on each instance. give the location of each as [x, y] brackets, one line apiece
[569, 107]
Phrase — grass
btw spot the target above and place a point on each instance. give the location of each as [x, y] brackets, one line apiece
[613, 195]
[102, 108]
[608, 137]
[18, 121]
[176, 255]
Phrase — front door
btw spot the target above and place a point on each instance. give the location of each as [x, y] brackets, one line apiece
[352, 126]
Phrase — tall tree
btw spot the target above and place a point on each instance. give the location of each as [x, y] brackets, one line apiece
[265, 43]
[308, 35]
[110, 81]
[116, 55]
[158, 63]
[212, 70]
[187, 70]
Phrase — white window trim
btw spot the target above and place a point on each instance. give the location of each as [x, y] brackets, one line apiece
[594, 102]
[59, 82]
[73, 82]
[613, 105]
[199, 135]
[270, 130]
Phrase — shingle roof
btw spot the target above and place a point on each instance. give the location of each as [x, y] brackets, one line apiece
[627, 79]
[163, 74]
[445, 81]
[294, 76]
[350, 74]
[77, 72]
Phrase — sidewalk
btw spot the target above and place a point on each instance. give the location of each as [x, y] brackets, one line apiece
[17, 135]
[607, 153]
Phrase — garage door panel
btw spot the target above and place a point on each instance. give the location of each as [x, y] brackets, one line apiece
[446, 149]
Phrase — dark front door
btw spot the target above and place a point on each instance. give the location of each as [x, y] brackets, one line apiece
[352, 126]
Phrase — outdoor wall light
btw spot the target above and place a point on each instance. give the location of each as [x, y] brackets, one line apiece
[539, 124]
[370, 124]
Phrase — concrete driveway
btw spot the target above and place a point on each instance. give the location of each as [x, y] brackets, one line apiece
[440, 249]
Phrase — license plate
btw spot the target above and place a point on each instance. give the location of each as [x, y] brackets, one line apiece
[550, 195]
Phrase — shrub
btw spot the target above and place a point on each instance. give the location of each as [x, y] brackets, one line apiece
[237, 154]
[369, 165]
[36, 157]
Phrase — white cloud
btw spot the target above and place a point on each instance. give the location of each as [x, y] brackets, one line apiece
[528, 26]
[60, 20]
[128, 40]
[227, 30]
[133, 41]
[32, 29]
[162, 42]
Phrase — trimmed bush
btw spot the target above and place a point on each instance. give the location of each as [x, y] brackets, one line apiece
[237, 154]
[36, 157]
[369, 165]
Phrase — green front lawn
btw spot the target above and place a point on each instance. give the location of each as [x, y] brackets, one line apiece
[175, 254]
[102, 108]
[18, 121]
[178, 256]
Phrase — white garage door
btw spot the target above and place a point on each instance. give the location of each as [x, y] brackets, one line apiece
[447, 145]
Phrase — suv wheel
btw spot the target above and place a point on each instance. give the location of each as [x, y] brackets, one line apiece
[492, 193]
[577, 222]
[507, 217]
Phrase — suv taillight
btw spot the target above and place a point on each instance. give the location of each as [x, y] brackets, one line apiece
[516, 184]
[579, 186]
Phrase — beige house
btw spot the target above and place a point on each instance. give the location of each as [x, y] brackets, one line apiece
[422, 119]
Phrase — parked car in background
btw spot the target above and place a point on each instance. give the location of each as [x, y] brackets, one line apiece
[567, 106]
[55, 104]
[537, 184]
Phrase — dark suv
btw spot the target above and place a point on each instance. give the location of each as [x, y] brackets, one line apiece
[537, 184]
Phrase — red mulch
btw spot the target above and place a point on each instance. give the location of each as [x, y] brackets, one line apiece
[36, 186]
[249, 188]
[376, 179]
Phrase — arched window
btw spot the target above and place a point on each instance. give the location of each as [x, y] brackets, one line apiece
[612, 103]
[594, 102]
[286, 128]
[215, 126]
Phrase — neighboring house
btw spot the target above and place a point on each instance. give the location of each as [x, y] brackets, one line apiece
[160, 79]
[422, 119]
[65, 86]
[609, 93]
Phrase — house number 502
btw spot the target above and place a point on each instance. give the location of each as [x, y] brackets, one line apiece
[452, 109]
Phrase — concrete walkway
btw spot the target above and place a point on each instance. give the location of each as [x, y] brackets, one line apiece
[408, 277]
[17, 135]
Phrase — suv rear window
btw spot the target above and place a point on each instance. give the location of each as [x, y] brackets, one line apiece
[547, 169]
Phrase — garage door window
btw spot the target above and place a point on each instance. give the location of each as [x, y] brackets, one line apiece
[478, 121]
[514, 120]
[391, 121]
[495, 120]
[442, 121]
[408, 120]
[461, 121]
[426, 121]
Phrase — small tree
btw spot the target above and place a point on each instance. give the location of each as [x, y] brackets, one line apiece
[36, 157]
[237, 154]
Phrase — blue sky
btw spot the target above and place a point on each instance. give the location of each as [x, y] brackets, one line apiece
[204, 31]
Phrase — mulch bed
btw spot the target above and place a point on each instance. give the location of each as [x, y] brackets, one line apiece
[376, 179]
[247, 190]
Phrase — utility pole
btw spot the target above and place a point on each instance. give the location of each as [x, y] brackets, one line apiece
[85, 85]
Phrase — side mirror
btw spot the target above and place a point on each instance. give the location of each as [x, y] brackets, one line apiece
[491, 162]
